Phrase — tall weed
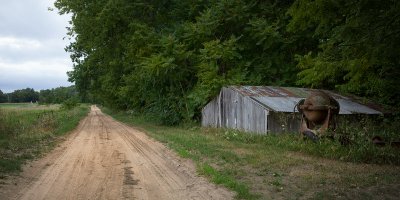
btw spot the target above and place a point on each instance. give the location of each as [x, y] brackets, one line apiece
[24, 134]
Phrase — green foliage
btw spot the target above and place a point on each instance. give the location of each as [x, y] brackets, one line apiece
[48, 96]
[169, 58]
[3, 97]
[171, 62]
[358, 42]
[23, 95]
[57, 95]
[69, 104]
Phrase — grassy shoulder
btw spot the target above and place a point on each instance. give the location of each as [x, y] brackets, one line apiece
[276, 166]
[27, 130]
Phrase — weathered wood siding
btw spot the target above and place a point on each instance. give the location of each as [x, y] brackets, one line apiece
[210, 113]
[232, 110]
[253, 117]
[229, 108]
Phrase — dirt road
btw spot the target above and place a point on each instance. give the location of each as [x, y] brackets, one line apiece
[105, 159]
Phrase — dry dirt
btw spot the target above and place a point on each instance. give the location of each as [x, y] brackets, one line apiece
[105, 159]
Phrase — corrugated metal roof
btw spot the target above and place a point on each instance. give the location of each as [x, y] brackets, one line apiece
[279, 104]
[284, 99]
[350, 107]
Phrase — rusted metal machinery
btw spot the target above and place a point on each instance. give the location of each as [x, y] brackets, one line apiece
[318, 112]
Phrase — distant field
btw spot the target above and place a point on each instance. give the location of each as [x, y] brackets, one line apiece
[16, 105]
[28, 106]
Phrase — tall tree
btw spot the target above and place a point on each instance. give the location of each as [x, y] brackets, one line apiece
[169, 57]
[358, 46]
[3, 97]
[58, 95]
[24, 95]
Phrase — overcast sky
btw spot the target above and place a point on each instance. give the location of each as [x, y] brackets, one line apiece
[32, 46]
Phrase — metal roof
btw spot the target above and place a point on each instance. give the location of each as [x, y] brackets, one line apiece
[284, 99]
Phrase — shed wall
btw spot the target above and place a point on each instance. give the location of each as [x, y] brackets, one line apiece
[232, 110]
[242, 113]
[266, 109]
[255, 117]
[209, 114]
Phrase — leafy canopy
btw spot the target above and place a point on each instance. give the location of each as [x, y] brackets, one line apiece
[168, 58]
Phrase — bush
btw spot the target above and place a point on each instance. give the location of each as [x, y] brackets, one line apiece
[69, 104]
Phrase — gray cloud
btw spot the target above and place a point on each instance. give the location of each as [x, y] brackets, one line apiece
[31, 18]
[32, 46]
[34, 74]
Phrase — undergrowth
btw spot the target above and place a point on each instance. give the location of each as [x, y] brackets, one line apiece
[361, 151]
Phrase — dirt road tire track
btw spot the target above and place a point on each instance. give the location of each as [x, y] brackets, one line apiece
[105, 159]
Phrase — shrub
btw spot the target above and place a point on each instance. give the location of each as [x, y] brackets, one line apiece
[69, 104]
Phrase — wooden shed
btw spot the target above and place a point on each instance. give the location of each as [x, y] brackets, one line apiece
[263, 109]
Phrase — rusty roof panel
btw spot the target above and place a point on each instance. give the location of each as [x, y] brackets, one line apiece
[283, 99]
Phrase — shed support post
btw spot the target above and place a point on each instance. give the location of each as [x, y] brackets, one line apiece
[220, 110]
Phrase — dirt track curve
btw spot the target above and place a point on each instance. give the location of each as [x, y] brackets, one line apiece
[105, 159]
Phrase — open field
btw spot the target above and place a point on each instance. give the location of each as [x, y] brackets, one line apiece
[276, 167]
[27, 130]
[28, 106]
[18, 105]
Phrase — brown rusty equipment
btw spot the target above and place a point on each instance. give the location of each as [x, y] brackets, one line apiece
[318, 114]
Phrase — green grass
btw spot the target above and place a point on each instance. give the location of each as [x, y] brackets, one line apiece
[15, 105]
[224, 178]
[26, 131]
[28, 106]
[278, 166]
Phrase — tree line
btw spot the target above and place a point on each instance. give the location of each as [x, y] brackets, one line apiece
[48, 96]
[170, 57]
[19, 96]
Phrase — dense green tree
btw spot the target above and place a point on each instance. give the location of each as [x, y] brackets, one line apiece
[46, 96]
[3, 97]
[55, 95]
[24, 95]
[169, 57]
[58, 95]
[358, 46]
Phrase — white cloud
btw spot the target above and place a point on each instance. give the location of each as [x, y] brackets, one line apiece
[22, 49]
[32, 46]
[31, 18]
[33, 68]
[34, 74]
[19, 43]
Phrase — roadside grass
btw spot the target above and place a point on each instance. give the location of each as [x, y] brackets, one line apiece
[279, 166]
[26, 133]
